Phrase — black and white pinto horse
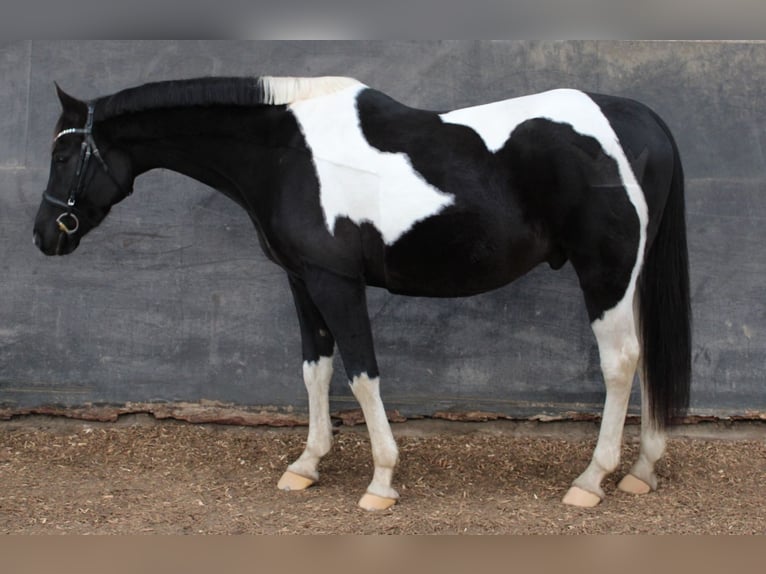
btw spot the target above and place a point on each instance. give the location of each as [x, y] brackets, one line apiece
[347, 187]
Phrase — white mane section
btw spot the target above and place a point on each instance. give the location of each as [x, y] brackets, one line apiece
[288, 90]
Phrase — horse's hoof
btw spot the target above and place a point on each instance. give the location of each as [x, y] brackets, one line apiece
[292, 481]
[633, 485]
[375, 502]
[576, 496]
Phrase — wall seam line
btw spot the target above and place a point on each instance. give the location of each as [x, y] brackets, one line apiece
[26, 105]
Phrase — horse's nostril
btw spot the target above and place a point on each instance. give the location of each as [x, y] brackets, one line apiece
[36, 239]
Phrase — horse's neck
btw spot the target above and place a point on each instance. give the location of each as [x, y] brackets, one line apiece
[213, 146]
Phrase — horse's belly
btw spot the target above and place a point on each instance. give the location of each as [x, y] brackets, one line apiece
[456, 255]
[446, 278]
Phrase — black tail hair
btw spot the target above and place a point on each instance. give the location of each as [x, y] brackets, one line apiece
[665, 308]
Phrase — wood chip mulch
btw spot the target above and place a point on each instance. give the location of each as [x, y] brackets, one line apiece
[177, 478]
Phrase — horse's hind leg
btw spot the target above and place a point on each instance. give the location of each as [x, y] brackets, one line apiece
[642, 478]
[619, 351]
[318, 347]
[342, 302]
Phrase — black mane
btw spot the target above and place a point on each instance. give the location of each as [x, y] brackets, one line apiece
[208, 91]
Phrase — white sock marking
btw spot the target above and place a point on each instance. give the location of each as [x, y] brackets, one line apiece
[619, 352]
[384, 451]
[652, 444]
[316, 376]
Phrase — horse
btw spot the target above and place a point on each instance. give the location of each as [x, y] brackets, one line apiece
[348, 188]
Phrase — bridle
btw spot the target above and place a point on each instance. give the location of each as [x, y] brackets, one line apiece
[69, 221]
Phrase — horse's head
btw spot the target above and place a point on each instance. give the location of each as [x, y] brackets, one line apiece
[88, 175]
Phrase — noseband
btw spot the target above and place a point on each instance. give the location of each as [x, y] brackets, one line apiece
[69, 222]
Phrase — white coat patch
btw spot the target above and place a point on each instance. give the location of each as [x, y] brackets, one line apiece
[357, 180]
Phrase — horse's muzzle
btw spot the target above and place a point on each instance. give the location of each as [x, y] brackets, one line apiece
[55, 243]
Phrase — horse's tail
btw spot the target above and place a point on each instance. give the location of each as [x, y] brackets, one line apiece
[665, 308]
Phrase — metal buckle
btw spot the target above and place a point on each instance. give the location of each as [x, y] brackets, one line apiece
[63, 226]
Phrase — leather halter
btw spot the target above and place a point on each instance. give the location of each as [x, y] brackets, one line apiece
[69, 221]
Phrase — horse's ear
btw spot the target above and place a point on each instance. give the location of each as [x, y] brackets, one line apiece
[69, 103]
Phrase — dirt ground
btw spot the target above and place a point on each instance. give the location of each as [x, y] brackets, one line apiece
[144, 476]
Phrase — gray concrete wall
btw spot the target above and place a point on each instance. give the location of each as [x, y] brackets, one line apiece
[171, 299]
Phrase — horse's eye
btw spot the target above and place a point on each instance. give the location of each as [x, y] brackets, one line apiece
[60, 158]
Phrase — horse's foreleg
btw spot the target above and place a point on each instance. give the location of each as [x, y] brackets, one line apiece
[380, 494]
[343, 304]
[619, 351]
[303, 472]
[318, 347]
